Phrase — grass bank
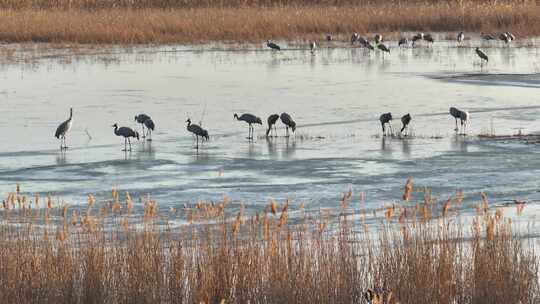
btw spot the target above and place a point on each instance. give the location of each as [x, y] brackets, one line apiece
[420, 252]
[135, 22]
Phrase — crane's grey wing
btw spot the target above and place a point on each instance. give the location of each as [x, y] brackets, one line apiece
[149, 123]
[61, 129]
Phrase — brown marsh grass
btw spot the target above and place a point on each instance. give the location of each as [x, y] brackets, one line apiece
[126, 251]
[136, 22]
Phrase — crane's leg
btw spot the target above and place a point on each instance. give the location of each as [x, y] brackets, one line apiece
[383, 130]
[197, 142]
[143, 134]
[456, 128]
[129, 141]
[149, 133]
[125, 144]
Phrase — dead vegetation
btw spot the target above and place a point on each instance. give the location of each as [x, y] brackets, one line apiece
[141, 22]
[419, 250]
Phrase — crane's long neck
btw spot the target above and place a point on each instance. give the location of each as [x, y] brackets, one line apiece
[116, 130]
[70, 114]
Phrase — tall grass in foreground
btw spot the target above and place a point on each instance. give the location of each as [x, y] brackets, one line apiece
[104, 253]
[88, 22]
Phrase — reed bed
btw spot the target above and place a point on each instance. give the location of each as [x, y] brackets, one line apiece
[169, 22]
[121, 251]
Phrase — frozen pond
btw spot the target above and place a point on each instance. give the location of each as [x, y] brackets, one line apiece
[335, 96]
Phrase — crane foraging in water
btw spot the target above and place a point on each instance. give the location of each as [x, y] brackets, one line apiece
[378, 38]
[482, 55]
[62, 130]
[386, 118]
[272, 119]
[288, 122]
[127, 133]
[250, 119]
[272, 45]
[463, 116]
[429, 38]
[145, 120]
[197, 131]
[405, 121]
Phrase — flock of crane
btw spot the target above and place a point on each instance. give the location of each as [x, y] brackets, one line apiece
[506, 37]
[385, 119]
[146, 122]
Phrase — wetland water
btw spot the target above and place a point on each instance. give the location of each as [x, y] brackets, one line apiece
[335, 96]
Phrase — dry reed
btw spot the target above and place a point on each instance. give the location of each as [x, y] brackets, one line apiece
[136, 22]
[106, 253]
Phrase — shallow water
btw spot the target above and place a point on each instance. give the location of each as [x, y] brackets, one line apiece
[335, 96]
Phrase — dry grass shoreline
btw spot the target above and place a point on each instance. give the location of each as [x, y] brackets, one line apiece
[98, 254]
[93, 22]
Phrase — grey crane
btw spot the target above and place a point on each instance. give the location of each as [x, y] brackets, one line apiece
[197, 131]
[363, 41]
[150, 126]
[63, 129]
[417, 37]
[512, 37]
[463, 117]
[383, 48]
[272, 45]
[429, 38]
[288, 122]
[313, 47]
[250, 119]
[403, 42]
[487, 37]
[354, 38]
[405, 121]
[378, 38]
[127, 133]
[504, 37]
[329, 37]
[272, 119]
[386, 118]
[141, 118]
[460, 37]
[482, 55]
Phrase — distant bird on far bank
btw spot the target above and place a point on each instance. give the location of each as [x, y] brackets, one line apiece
[250, 119]
[272, 119]
[312, 47]
[197, 131]
[460, 37]
[405, 121]
[288, 122]
[127, 133]
[429, 38]
[378, 38]
[482, 55]
[512, 37]
[504, 37]
[403, 42]
[487, 37]
[354, 38]
[385, 119]
[417, 37]
[63, 129]
[272, 45]
[329, 37]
